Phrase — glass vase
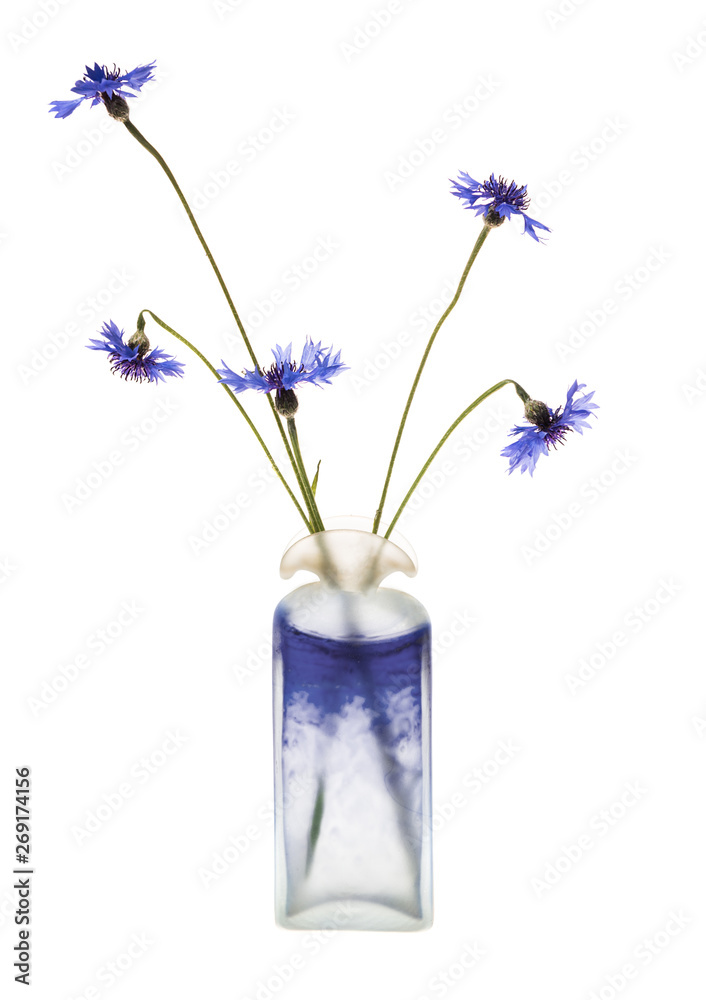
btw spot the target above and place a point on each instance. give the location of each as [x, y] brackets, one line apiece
[352, 735]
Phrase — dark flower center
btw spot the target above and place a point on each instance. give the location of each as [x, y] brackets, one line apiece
[136, 368]
[556, 431]
[109, 74]
[506, 193]
[273, 375]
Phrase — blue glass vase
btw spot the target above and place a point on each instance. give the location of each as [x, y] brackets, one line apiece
[352, 735]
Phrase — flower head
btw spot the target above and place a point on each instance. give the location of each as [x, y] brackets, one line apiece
[317, 366]
[547, 428]
[111, 86]
[496, 200]
[134, 359]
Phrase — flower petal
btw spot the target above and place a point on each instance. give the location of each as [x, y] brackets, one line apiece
[62, 109]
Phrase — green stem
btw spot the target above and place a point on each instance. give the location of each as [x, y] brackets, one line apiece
[469, 409]
[474, 253]
[136, 134]
[315, 828]
[316, 522]
[237, 402]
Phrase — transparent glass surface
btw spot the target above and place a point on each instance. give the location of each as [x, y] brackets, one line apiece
[352, 701]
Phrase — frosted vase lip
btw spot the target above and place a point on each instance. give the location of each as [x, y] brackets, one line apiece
[348, 556]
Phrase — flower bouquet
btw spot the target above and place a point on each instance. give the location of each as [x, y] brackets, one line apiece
[351, 670]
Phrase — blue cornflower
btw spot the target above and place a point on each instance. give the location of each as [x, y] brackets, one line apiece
[134, 359]
[496, 200]
[317, 366]
[110, 86]
[548, 427]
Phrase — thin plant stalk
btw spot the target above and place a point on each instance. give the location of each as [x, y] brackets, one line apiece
[316, 523]
[474, 253]
[136, 134]
[237, 402]
[469, 409]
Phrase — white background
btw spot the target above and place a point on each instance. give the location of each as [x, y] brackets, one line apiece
[598, 107]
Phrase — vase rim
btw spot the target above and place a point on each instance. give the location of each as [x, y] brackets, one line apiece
[389, 555]
[362, 523]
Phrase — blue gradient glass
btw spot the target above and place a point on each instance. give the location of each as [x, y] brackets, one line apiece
[352, 741]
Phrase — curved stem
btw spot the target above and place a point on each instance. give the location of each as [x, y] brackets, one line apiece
[316, 522]
[237, 402]
[136, 134]
[489, 392]
[474, 253]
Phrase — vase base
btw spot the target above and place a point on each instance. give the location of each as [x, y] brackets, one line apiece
[353, 915]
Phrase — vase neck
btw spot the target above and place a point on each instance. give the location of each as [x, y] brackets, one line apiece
[346, 559]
